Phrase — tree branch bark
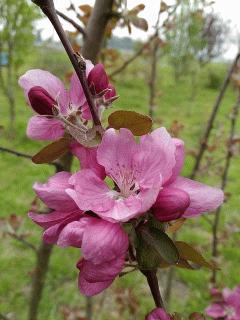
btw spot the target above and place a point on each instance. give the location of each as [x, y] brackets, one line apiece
[229, 155]
[72, 22]
[212, 117]
[96, 28]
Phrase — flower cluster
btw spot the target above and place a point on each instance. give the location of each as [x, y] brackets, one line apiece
[122, 181]
[226, 304]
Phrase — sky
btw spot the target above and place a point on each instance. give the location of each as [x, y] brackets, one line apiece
[228, 10]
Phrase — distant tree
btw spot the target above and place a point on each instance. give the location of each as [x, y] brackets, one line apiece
[16, 41]
[197, 37]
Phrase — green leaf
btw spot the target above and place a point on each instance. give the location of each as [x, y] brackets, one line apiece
[52, 151]
[138, 123]
[160, 241]
[189, 253]
[147, 257]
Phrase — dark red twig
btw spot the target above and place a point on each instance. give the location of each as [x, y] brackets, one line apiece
[154, 287]
[72, 22]
[79, 65]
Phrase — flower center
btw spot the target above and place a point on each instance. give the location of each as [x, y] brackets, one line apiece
[230, 311]
[125, 180]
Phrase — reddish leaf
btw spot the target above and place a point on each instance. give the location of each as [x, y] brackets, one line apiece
[189, 253]
[52, 151]
[139, 23]
[138, 123]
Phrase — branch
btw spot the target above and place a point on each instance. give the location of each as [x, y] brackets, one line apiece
[132, 58]
[16, 153]
[154, 287]
[27, 156]
[73, 23]
[23, 241]
[229, 155]
[47, 7]
[212, 117]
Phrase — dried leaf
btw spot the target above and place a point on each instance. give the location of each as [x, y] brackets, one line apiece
[138, 123]
[189, 253]
[135, 11]
[176, 226]
[163, 7]
[52, 151]
[139, 23]
[87, 9]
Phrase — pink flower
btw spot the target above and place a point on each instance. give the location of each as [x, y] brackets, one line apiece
[88, 159]
[44, 91]
[184, 197]
[99, 83]
[158, 314]
[64, 208]
[46, 94]
[104, 246]
[138, 172]
[228, 308]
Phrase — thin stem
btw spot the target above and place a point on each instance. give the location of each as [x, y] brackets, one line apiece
[154, 287]
[229, 155]
[73, 23]
[27, 156]
[206, 135]
[77, 61]
[23, 241]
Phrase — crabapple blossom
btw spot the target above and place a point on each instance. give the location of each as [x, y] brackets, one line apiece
[227, 306]
[158, 314]
[47, 95]
[145, 175]
[182, 197]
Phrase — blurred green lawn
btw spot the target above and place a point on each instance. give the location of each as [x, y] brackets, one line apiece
[190, 292]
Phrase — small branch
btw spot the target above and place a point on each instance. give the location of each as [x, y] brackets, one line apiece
[27, 156]
[79, 65]
[154, 287]
[73, 23]
[16, 153]
[229, 155]
[132, 58]
[23, 241]
[206, 135]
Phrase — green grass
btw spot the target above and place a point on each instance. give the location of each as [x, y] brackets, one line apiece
[190, 292]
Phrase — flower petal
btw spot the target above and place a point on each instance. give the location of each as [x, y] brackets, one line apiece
[95, 278]
[157, 156]
[53, 192]
[215, 311]
[44, 79]
[42, 128]
[48, 220]
[90, 192]
[103, 241]
[179, 157]
[91, 288]
[41, 101]
[171, 204]
[72, 234]
[98, 79]
[203, 198]
[116, 151]
[158, 314]
[88, 159]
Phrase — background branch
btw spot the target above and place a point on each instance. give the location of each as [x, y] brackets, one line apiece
[72, 22]
[206, 135]
[229, 155]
